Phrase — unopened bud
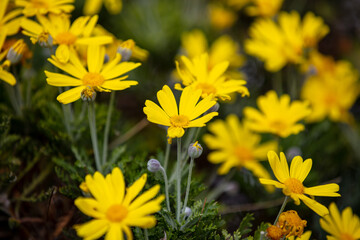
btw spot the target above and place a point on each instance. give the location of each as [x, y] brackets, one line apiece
[214, 108]
[88, 94]
[45, 39]
[293, 152]
[195, 150]
[187, 212]
[16, 51]
[153, 165]
[125, 49]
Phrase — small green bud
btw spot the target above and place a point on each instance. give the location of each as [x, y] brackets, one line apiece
[195, 150]
[153, 165]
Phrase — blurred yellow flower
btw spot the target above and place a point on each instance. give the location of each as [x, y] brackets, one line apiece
[277, 115]
[238, 4]
[284, 42]
[64, 34]
[332, 90]
[9, 20]
[116, 208]
[222, 49]
[264, 8]
[128, 48]
[92, 7]
[211, 82]
[188, 114]
[235, 145]
[43, 7]
[344, 226]
[97, 77]
[291, 181]
[221, 17]
[305, 236]
[5, 75]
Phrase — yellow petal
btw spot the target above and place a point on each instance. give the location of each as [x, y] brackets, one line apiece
[95, 58]
[202, 107]
[116, 84]
[143, 198]
[61, 80]
[143, 222]
[327, 190]
[189, 98]
[314, 205]
[175, 132]
[271, 182]
[62, 53]
[118, 184]
[118, 70]
[92, 7]
[7, 77]
[93, 229]
[167, 101]
[150, 207]
[70, 95]
[134, 190]
[155, 114]
[90, 207]
[114, 233]
[200, 122]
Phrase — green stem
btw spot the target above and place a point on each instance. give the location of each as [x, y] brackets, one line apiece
[67, 113]
[281, 209]
[188, 183]
[146, 235]
[92, 124]
[277, 83]
[13, 99]
[178, 180]
[107, 127]
[167, 153]
[166, 189]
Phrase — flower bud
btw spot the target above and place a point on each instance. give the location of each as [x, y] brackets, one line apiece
[44, 39]
[16, 51]
[88, 94]
[125, 49]
[153, 165]
[214, 108]
[195, 150]
[187, 212]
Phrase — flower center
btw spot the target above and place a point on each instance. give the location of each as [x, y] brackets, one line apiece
[206, 88]
[93, 79]
[294, 186]
[116, 213]
[179, 121]
[346, 236]
[243, 154]
[330, 100]
[39, 4]
[65, 38]
[278, 125]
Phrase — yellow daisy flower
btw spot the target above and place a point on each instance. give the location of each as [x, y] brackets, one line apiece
[43, 7]
[221, 17]
[277, 116]
[222, 49]
[92, 7]
[97, 77]
[264, 8]
[5, 75]
[306, 236]
[9, 20]
[64, 34]
[292, 181]
[332, 91]
[284, 42]
[236, 146]
[344, 226]
[195, 73]
[186, 116]
[115, 211]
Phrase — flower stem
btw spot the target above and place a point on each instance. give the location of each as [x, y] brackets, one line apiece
[178, 180]
[67, 114]
[188, 183]
[146, 235]
[107, 127]
[166, 188]
[92, 124]
[167, 153]
[281, 209]
[13, 99]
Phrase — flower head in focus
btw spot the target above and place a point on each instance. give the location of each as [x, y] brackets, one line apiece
[332, 90]
[64, 34]
[195, 73]
[92, 7]
[43, 7]
[235, 145]
[344, 226]
[291, 182]
[285, 41]
[186, 116]
[277, 115]
[97, 77]
[114, 210]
